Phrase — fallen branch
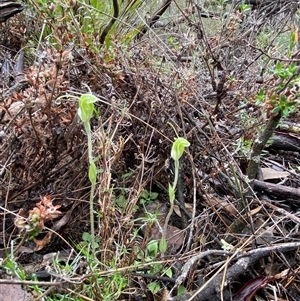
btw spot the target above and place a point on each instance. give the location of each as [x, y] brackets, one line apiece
[212, 289]
[278, 191]
[9, 9]
[154, 19]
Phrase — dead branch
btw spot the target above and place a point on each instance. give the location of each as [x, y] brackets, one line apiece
[154, 19]
[244, 262]
[278, 191]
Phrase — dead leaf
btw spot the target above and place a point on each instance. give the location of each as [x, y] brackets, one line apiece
[188, 207]
[174, 236]
[222, 204]
[255, 210]
[177, 210]
[251, 287]
[41, 243]
[271, 174]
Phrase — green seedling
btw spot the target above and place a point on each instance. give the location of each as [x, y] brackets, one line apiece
[177, 150]
[85, 112]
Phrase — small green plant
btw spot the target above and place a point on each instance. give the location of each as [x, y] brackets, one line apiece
[245, 7]
[120, 201]
[284, 72]
[260, 96]
[278, 102]
[85, 111]
[231, 79]
[176, 153]
[222, 2]
[284, 106]
[148, 255]
[98, 285]
[88, 239]
[243, 146]
[147, 197]
[12, 268]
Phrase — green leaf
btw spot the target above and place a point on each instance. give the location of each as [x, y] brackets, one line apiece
[292, 68]
[154, 287]
[283, 99]
[93, 173]
[171, 193]
[127, 175]
[276, 110]
[178, 148]
[86, 236]
[153, 195]
[181, 290]
[145, 194]
[121, 201]
[156, 268]
[168, 272]
[260, 96]
[163, 245]
[152, 247]
[278, 67]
